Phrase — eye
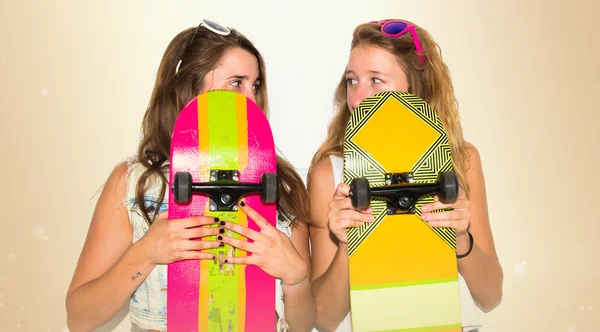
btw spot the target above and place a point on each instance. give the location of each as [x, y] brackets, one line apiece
[377, 81]
[236, 83]
[350, 81]
[256, 86]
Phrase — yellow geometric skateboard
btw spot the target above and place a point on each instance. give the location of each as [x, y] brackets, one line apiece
[403, 273]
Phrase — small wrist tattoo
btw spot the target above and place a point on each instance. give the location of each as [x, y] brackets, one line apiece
[136, 276]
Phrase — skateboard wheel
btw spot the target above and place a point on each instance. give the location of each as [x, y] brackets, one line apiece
[448, 187]
[182, 187]
[269, 188]
[360, 193]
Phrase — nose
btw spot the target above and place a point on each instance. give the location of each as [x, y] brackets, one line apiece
[360, 94]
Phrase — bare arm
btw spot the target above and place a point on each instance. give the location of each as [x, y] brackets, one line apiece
[109, 268]
[481, 268]
[329, 253]
[299, 302]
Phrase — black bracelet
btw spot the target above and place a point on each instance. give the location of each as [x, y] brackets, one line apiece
[470, 247]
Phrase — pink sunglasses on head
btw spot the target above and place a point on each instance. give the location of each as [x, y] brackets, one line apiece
[397, 28]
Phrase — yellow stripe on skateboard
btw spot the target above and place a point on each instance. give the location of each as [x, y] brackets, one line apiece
[204, 167]
[242, 128]
[202, 101]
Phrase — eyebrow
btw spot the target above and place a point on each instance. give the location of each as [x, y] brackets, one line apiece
[239, 77]
[243, 77]
[370, 71]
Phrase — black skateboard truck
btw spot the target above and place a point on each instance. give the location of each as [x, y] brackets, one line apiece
[401, 193]
[224, 189]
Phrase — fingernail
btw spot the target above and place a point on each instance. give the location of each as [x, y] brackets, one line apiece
[424, 215]
[222, 230]
[220, 238]
[371, 218]
[242, 204]
[222, 223]
[216, 219]
[221, 244]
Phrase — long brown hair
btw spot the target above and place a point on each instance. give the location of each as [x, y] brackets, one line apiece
[173, 90]
[430, 81]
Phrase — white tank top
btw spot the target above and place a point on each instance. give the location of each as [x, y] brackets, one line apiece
[468, 309]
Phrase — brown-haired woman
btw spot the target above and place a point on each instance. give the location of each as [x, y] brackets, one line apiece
[397, 55]
[127, 249]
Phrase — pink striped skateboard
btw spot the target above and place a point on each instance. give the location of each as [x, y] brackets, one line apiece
[222, 150]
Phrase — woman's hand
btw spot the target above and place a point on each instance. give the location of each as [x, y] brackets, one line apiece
[459, 218]
[272, 250]
[168, 241]
[343, 216]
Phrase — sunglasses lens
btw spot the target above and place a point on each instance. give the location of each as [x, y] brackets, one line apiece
[393, 28]
[216, 27]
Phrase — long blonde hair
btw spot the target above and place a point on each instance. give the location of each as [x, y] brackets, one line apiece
[430, 81]
[174, 89]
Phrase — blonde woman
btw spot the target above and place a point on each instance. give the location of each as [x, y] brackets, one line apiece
[397, 55]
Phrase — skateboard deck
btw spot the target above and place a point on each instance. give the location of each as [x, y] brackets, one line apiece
[222, 151]
[403, 273]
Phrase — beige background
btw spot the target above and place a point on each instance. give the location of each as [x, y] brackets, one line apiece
[75, 77]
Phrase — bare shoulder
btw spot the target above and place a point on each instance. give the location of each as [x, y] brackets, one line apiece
[109, 206]
[473, 155]
[117, 180]
[320, 171]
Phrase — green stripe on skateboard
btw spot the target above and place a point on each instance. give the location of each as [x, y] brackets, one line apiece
[224, 281]
[402, 284]
[222, 117]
